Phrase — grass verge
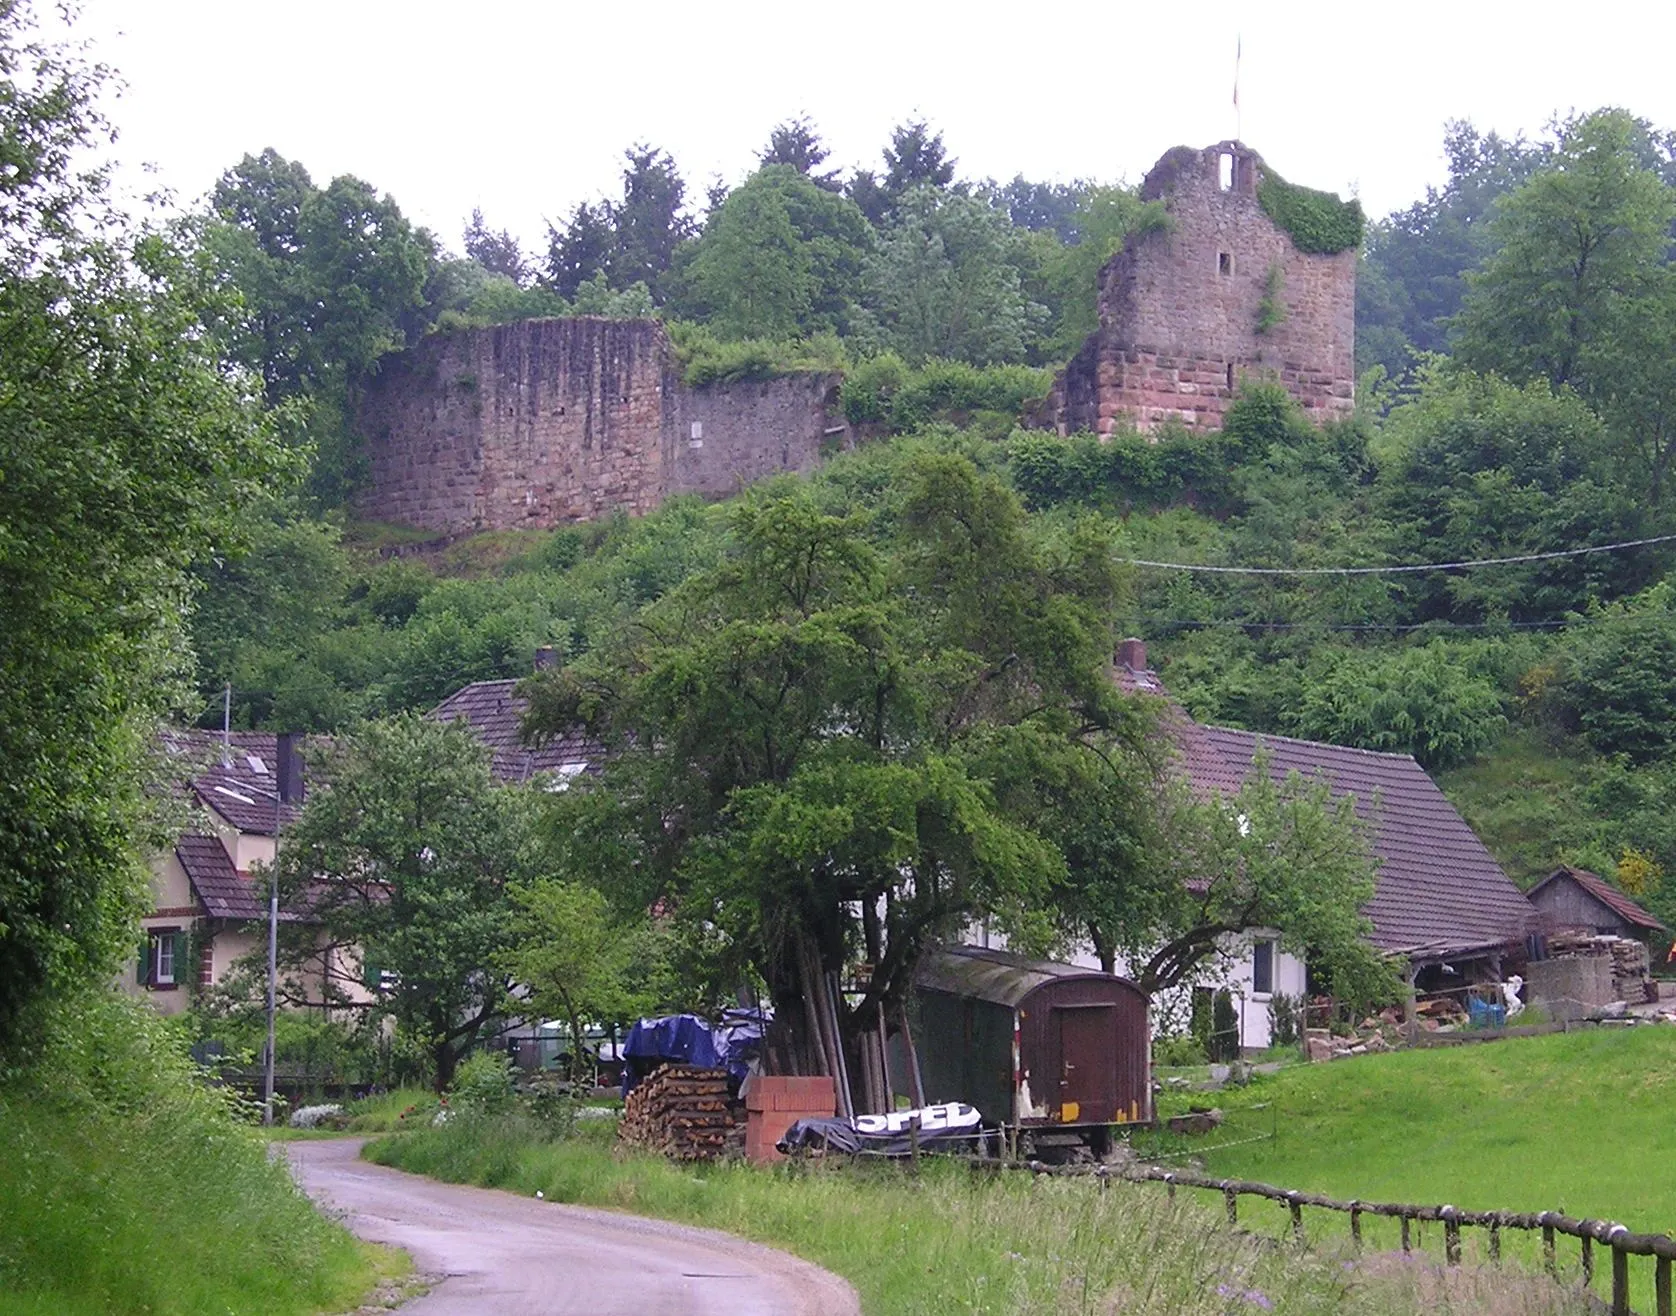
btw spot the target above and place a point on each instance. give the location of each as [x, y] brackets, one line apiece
[949, 1240]
[128, 1186]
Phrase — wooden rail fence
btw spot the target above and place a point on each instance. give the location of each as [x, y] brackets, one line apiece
[1622, 1243]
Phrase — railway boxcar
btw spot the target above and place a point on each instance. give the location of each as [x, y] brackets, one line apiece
[1054, 1054]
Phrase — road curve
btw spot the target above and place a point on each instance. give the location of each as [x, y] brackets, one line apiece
[517, 1256]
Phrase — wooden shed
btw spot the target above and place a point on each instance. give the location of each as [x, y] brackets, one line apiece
[1576, 900]
[1033, 1044]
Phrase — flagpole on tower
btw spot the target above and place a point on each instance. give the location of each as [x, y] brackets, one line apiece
[1238, 42]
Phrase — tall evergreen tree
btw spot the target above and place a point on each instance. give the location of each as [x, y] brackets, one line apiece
[499, 253]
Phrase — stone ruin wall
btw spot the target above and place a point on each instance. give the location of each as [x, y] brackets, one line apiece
[545, 422]
[1179, 309]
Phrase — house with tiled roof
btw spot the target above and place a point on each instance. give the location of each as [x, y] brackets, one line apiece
[1440, 902]
[1576, 900]
[208, 907]
[495, 713]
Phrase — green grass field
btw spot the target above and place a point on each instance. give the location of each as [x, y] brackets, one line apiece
[1584, 1122]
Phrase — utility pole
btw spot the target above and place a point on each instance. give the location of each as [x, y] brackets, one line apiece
[227, 725]
[287, 787]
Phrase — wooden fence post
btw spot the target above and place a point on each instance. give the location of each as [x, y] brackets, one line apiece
[1232, 1200]
[1405, 1240]
[1356, 1225]
[1451, 1236]
[1588, 1261]
[1548, 1259]
[1661, 1283]
[1495, 1240]
[1170, 1185]
[1620, 1282]
[1297, 1218]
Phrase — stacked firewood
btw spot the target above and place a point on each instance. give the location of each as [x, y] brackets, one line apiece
[683, 1111]
[1631, 964]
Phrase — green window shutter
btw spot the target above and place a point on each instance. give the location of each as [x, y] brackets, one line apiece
[142, 970]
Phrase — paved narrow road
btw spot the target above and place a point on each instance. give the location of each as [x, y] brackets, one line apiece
[506, 1255]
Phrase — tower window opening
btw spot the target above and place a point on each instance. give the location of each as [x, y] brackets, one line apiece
[1225, 171]
[1230, 376]
[1224, 262]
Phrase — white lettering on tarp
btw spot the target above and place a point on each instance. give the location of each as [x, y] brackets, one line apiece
[950, 1115]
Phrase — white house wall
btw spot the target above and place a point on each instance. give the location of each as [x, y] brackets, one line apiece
[1233, 970]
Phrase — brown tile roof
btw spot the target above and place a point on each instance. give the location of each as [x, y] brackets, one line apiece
[244, 790]
[1438, 892]
[1603, 891]
[225, 892]
[496, 713]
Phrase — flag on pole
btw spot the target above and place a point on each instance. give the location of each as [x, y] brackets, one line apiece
[1238, 42]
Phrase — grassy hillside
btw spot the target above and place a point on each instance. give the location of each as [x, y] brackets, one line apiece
[128, 1187]
[1578, 1121]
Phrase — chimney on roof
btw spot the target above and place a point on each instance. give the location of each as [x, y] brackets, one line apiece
[1131, 653]
[546, 656]
[288, 750]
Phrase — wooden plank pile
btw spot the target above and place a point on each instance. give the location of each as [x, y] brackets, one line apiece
[683, 1111]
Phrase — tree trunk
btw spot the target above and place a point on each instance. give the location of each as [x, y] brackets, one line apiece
[447, 1062]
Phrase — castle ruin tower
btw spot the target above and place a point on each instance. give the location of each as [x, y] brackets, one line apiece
[1250, 277]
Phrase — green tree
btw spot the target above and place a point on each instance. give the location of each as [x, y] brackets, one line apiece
[578, 960]
[331, 280]
[1276, 854]
[649, 223]
[497, 252]
[402, 858]
[945, 282]
[1424, 701]
[1413, 277]
[796, 144]
[781, 258]
[1477, 467]
[581, 250]
[800, 733]
[1582, 253]
[1615, 682]
[915, 158]
[128, 450]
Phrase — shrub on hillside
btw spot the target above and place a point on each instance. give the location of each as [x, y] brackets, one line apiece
[1426, 702]
[885, 390]
[1615, 686]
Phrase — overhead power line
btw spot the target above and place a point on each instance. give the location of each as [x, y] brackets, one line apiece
[1395, 570]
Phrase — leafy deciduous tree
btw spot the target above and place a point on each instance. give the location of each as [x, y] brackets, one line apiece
[127, 451]
[400, 862]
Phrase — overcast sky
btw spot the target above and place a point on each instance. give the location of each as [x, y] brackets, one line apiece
[523, 107]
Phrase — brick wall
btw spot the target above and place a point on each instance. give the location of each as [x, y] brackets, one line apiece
[545, 422]
[774, 1104]
[1179, 309]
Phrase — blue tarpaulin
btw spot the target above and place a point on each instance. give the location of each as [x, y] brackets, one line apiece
[686, 1039]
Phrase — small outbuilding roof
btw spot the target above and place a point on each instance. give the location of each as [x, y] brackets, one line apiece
[998, 976]
[1603, 891]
